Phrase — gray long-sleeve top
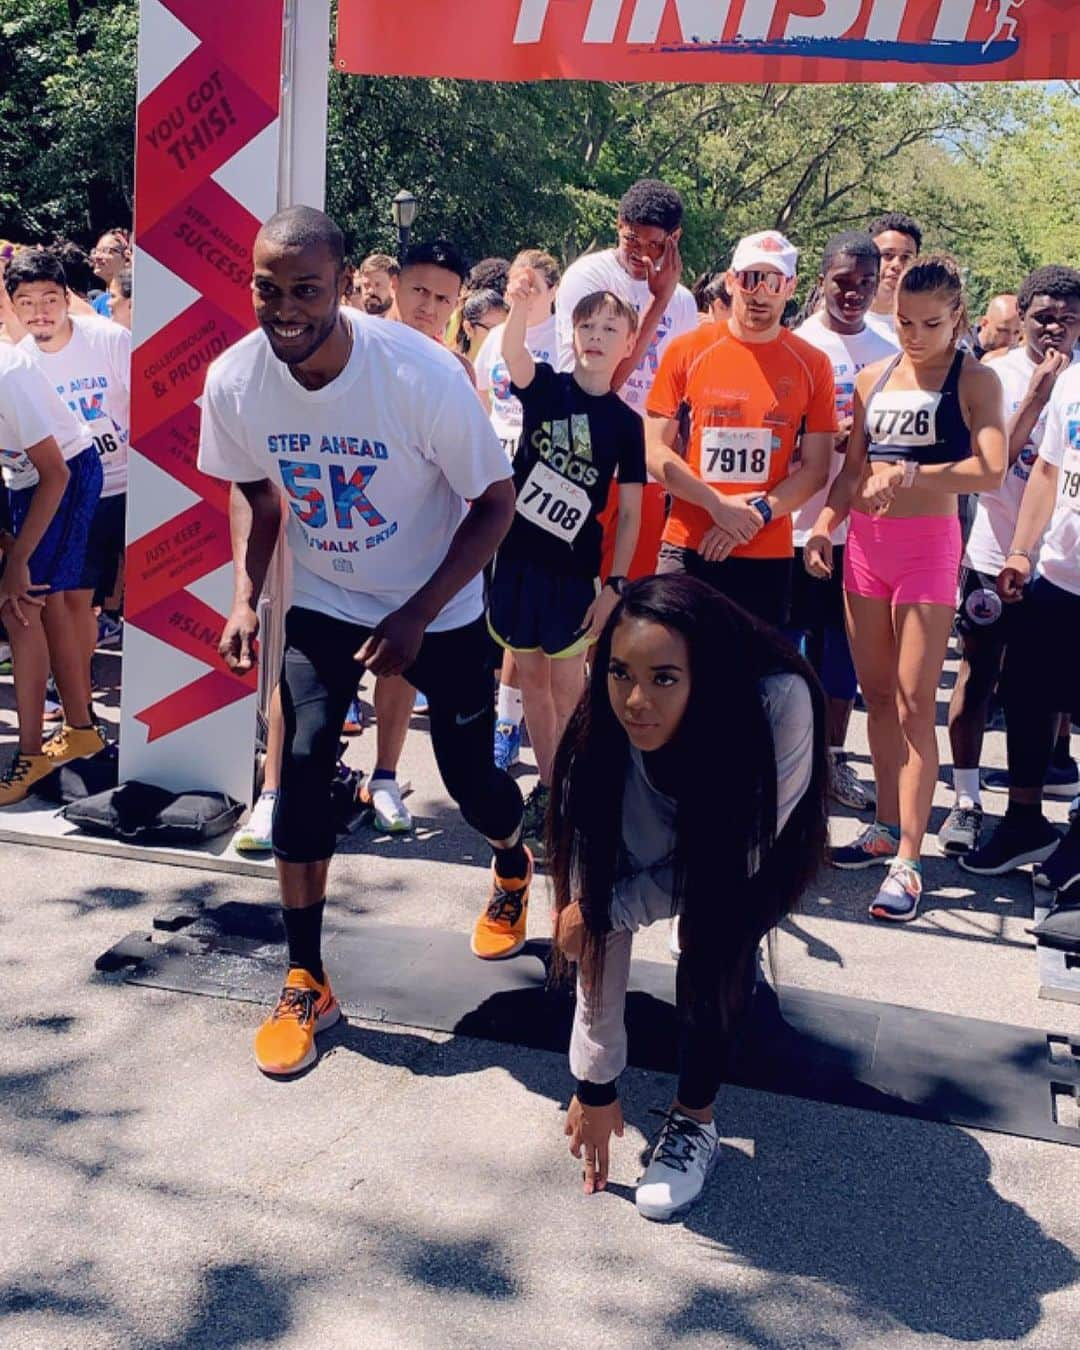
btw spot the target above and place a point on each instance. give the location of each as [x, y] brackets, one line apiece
[598, 1040]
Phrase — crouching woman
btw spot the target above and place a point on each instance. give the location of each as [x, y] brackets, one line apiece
[690, 785]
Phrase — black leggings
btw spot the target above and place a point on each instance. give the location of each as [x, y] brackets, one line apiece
[1041, 677]
[319, 679]
[706, 1046]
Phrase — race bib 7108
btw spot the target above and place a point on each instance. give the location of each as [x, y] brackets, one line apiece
[552, 502]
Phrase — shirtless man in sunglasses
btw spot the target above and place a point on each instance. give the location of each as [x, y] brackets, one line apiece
[756, 394]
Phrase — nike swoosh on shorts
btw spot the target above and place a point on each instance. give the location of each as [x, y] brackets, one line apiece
[464, 721]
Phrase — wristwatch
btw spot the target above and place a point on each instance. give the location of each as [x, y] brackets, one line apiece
[616, 584]
[762, 507]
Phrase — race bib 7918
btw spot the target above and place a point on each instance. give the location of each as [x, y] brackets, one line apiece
[736, 454]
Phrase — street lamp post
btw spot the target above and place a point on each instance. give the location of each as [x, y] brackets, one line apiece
[405, 207]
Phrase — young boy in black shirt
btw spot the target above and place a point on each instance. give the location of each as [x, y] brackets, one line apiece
[545, 603]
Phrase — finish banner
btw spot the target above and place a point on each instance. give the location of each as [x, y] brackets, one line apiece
[722, 41]
[206, 171]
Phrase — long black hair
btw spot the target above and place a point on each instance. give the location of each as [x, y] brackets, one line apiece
[734, 880]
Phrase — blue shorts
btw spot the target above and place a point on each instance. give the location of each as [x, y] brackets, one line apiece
[533, 610]
[60, 556]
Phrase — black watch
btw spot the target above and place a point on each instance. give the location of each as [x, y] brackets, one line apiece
[762, 507]
[616, 584]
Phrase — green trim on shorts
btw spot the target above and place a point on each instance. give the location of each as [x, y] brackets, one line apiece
[575, 649]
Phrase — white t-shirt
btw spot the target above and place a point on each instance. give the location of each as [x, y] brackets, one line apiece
[376, 466]
[92, 374]
[996, 512]
[493, 377]
[849, 353]
[885, 325]
[1059, 558]
[603, 272]
[30, 412]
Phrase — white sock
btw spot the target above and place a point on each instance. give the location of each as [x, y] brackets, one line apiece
[508, 705]
[968, 791]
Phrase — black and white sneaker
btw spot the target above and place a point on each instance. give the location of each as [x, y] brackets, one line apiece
[1062, 779]
[680, 1165]
[1012, 845]
[961, 830]
[1062, 869]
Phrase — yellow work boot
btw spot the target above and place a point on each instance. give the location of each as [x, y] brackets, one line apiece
[73, 743]
[20, 776]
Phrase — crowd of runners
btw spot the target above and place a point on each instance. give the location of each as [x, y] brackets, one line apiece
[673, 534]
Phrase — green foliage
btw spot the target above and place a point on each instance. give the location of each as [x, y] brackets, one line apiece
[993, 172]
[67, 106]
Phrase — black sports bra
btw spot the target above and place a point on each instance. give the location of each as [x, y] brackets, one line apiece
[924, 425]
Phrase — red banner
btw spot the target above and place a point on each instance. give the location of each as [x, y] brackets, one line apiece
[209, 107]
[732, 41]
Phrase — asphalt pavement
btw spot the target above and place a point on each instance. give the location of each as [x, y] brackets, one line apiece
[415, 1190]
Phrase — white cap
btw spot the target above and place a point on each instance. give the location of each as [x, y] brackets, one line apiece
[767, 249]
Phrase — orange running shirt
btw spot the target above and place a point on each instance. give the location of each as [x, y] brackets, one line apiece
[749, 402]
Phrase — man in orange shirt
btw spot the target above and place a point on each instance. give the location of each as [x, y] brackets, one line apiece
[755, 393]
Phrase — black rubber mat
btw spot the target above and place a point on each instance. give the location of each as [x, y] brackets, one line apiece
[828, 1048]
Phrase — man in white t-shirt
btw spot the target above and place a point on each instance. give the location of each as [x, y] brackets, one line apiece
[52, 475]
[848, 282]
[1049, 304]
[1042, 659]
[899, 240]
[377, 443]
[643, 269]
[87, 359]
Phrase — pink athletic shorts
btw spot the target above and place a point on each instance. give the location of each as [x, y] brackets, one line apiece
[907, 562]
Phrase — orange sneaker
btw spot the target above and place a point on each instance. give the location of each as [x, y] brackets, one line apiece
[500, 931]
[285, 1043]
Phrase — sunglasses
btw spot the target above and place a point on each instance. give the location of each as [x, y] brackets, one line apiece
[752, 280]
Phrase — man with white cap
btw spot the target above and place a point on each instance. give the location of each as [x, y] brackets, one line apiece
[754, 391]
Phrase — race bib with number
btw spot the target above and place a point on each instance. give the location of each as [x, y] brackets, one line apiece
[552, 502]
[1070, 470]
[904, 418]
[736, 454]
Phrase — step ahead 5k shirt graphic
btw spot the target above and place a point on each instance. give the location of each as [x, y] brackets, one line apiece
[376, 467]
[91, 373]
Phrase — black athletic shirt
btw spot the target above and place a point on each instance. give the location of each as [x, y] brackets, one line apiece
[572, 445]
[924, 425]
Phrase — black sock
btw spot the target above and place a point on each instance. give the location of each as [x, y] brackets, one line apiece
[1024, 814]
[513, 862]
[303, 932]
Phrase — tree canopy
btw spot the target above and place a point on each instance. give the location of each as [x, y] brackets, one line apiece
[992, 172]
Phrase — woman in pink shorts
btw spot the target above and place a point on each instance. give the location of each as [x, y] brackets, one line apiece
[928, 425]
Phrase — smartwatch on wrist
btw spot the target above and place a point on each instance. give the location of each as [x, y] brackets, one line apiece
[762, 507]
[616, 584]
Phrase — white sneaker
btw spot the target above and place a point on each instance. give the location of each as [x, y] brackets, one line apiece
[254, 837]
[679, 1167]
[384, 797]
